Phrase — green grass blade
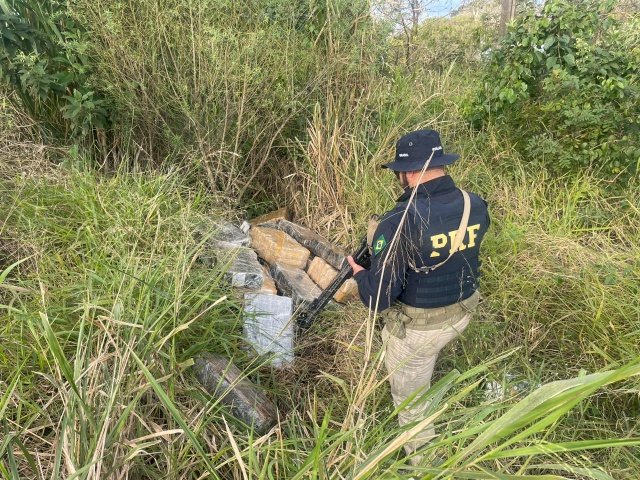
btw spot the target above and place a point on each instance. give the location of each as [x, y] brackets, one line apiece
[64, 365]
[592, 473]
[5, 273]
[550, 448]
[177, 416]
[555, 397]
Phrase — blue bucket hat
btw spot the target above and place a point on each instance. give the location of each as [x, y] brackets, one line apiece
[414, 149]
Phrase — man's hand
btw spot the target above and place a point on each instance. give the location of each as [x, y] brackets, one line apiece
[355, 267]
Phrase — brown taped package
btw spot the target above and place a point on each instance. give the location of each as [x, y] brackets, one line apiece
[277, 247]
[348, 291]
[318, 245]
[281, 213]
[321, 272]
[268, 285]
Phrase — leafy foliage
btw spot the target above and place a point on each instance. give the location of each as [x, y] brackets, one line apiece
[458, 39]
[564, 84]
[44, 58]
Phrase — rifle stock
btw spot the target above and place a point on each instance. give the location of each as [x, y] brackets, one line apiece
[306, 317]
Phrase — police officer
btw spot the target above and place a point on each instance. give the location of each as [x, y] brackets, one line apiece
[424, 272]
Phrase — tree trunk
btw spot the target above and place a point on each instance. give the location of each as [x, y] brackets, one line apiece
[507, 14]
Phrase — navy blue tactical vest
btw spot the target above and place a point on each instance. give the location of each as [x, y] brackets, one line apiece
[426, 236]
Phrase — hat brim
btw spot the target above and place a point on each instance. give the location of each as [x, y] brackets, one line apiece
[441, 161]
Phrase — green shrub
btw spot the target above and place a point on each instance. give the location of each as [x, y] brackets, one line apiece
[564, 85]
[44, 59]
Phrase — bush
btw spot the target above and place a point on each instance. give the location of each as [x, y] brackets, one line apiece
[564, 84]
[44, 59]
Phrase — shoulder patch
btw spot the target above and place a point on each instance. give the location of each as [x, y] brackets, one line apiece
[379, 244]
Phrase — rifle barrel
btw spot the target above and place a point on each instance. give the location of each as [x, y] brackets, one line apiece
[306, 317]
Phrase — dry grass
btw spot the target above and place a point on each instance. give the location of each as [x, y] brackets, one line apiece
[23, 152]
[96, 375]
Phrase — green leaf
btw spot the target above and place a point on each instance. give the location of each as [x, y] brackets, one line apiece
[541, 408]
[551, 62]
[4, 400]
[545, 448]
[64, 365]
[5, 7]
[582, 472]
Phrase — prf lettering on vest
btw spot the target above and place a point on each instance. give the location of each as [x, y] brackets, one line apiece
[442, 240]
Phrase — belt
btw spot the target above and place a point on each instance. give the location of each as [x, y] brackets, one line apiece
[401, 317]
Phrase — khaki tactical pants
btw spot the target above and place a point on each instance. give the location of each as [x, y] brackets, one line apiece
[413, 337]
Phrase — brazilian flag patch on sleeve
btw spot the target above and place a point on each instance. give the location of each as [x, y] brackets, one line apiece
[379, 245]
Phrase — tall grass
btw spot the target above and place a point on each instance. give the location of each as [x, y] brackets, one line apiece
[338, 181]
[112, 298]
[23, 151]
[561, 276]
[224, 86]
[99, 331]
[104, 304]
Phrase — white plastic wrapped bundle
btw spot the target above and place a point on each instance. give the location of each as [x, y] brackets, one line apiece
[268, 326]
[244, 269]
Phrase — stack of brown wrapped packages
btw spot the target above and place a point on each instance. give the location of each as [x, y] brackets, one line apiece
[279, 267]
[302, 262]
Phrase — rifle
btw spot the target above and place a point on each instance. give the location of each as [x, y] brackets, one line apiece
[362, 257]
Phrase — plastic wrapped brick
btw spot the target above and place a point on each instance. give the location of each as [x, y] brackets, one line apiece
[295, 283]
[276, 246]
[321, 272]
[244, 270]
[268, 326]
[268, 285]
[226, 382]
[271, 217]
[347, 291]
[229, 233]
[318, 245]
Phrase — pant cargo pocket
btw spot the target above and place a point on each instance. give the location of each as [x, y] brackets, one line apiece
[395, 322]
